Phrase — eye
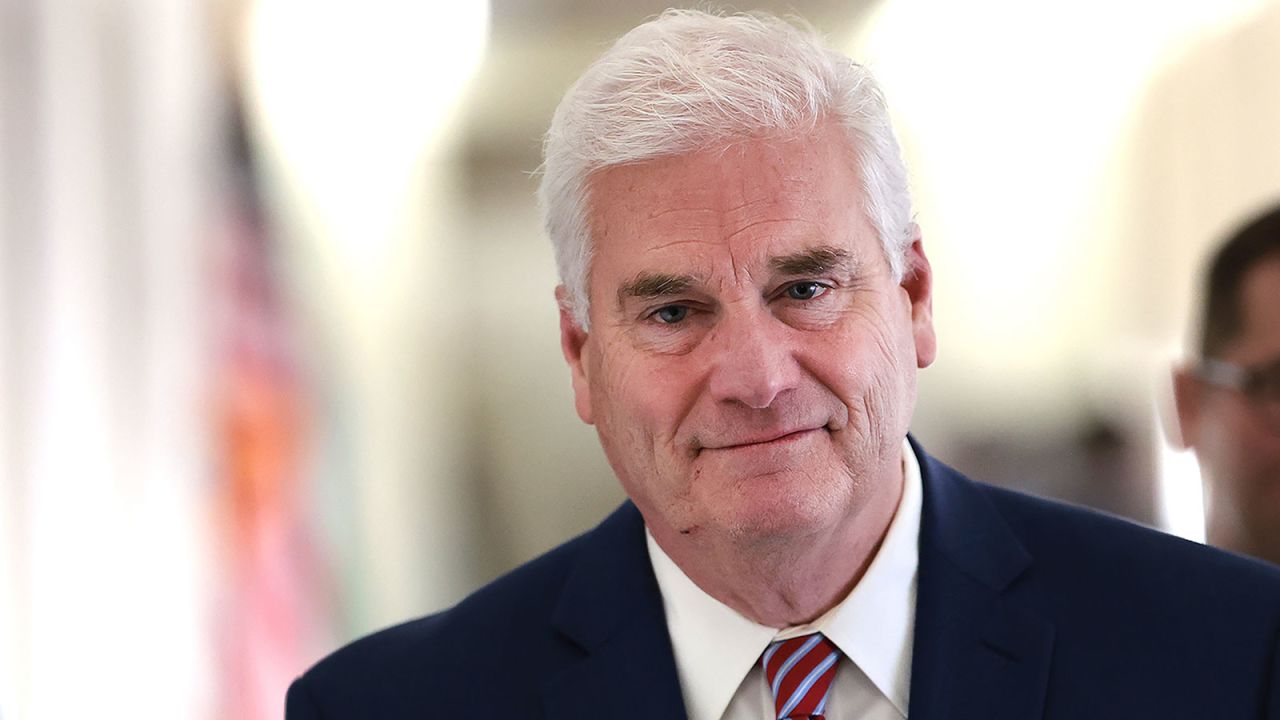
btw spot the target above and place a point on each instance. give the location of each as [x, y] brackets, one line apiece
[1265, 384]
[670, 314]
[806, 290]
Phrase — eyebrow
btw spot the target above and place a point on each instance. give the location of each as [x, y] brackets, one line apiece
[648, 285]
[815, 261]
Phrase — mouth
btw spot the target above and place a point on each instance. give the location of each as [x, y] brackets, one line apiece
[769, 439]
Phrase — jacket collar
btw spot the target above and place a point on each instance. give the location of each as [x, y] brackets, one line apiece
[977, 653]
[611, 609]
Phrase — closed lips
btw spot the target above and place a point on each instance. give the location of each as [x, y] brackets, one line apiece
[762, 439]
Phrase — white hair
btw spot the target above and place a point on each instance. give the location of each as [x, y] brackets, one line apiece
[687, 81]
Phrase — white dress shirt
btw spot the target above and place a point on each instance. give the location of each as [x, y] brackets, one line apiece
[717, 650]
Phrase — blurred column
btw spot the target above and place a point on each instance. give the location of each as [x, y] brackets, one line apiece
[353, 106]
[104, 463]
[18, 161]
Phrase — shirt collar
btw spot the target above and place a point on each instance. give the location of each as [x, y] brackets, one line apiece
[715, 647]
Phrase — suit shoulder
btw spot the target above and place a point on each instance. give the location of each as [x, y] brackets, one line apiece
[403, 665]
[1127, 554]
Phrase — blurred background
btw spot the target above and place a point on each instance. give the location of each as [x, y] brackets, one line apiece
[278, 350]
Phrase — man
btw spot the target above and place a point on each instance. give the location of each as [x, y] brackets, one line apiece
[1228, 402]
[745, 302]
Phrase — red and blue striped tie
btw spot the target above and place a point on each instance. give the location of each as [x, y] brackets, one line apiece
[799, 672]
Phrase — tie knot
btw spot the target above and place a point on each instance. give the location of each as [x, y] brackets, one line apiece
[799, 672]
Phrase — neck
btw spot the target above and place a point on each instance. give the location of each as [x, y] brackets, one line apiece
[793, 580]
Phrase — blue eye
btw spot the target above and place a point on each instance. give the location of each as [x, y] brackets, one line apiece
[671, 314]
[805, 290]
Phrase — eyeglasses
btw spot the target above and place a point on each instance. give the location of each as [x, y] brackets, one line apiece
[1259, 384]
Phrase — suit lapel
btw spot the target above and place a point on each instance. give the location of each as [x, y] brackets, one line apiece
[976, 653]
[611, 609]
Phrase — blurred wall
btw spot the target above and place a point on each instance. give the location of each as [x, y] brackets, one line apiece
[1072, 165]
[105, 154]
[1060, 292]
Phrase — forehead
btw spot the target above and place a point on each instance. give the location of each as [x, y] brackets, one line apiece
[1260, 305]
[744, 203]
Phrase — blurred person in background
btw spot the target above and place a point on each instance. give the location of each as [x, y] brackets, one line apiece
[745, 302]
[1228, 401]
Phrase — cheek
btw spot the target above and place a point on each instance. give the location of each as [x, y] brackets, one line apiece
[1236, 444]
[871, 369]
[875, 357]
[1260, 447]
[637, 400]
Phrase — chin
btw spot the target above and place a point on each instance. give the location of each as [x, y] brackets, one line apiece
[782, 510]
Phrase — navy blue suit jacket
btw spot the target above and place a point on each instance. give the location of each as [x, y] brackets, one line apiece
[1025, 609]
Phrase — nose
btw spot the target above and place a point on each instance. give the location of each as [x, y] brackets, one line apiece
[753, 359]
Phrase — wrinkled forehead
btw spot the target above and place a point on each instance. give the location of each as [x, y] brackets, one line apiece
[749, 169]
[753, 201]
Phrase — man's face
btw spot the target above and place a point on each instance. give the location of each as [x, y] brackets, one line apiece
[1237, 445]
[751, 362]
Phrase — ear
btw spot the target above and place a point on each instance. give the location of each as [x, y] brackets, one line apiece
[573, 343]
[1188, 396]
[917, 280]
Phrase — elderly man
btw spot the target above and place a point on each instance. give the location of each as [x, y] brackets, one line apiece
[745, 303]
[1229, 401]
